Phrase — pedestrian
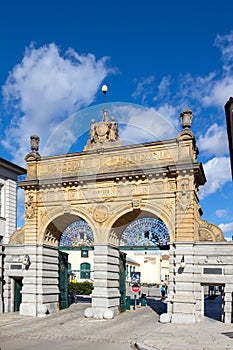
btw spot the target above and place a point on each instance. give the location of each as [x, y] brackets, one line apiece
[162, 289]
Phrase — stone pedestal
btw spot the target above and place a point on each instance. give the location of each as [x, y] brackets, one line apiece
[106, 280]
[183, 309]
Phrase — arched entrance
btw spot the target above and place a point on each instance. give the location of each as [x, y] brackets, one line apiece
[109, 186]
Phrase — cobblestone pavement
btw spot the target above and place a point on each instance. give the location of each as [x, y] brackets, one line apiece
[69, 328]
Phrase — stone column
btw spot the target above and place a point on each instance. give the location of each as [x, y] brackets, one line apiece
[40, 292]
[106, 295]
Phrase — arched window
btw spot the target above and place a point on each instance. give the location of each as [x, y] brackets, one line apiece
[79, 233]
[146, 232]
[85, 271]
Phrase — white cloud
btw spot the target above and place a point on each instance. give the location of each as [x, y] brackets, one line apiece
[218, 173]
[163, 88]
[140, 124]
[44, 89]
[214, 142]
[144, 88]
[219, 93]
[225, 43]
[226, 227]
[221, 213]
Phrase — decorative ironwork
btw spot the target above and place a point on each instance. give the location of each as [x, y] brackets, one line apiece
[145, 232]
[79, 233]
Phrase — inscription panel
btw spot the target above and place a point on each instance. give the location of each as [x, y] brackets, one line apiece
[89, 164]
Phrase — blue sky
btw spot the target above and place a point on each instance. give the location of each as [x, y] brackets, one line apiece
[157, 59]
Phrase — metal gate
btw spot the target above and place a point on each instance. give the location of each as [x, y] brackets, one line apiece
[122, 281]
[63, 280]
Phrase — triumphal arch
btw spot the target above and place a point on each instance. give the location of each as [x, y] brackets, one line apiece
[109, 185]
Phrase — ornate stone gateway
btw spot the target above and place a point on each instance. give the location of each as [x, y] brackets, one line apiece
[108, 186]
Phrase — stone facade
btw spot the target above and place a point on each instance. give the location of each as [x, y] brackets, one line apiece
[205, 264]
[9, 173]
[109, 187]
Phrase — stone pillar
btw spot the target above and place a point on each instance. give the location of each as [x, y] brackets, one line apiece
[227, 302]
[106, 295]
[40, 282]
[181, 299]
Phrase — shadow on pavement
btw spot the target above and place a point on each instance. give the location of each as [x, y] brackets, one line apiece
[74, 299]
[158, 306]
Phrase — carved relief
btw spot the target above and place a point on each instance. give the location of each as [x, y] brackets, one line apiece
[158, 186]
[169, 207]
[184, 184]
[60, 195]
[100, 214]
[29, 207]
[126, 189]
[210, 232]
[17, 237]
[66, 208]
[141, 189]
[183, 200]
[171, 186]
[42, 212]
[51, 195]
[205, 235]
[136, 203]
[85, 209]
[73, 194]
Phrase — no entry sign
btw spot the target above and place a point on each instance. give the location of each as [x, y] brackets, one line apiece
[135, 288]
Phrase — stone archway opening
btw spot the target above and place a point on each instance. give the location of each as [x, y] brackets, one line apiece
[143, 227]
[56, 227]
[77, 240]
[143, 238]
[213, 295]
[146, 232]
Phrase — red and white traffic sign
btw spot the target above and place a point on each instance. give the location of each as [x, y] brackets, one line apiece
[135, 288]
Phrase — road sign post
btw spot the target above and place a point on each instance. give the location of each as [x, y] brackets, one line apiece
[135, 289]
[135, 281]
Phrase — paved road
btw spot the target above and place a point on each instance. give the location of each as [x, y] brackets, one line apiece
[68, 329]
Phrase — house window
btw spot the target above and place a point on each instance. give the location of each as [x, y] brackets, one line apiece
[85, 271]
[84, 253]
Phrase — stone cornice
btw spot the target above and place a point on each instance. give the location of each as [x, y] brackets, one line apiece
[129, 175]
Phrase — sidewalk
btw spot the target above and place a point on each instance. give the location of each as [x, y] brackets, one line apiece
[68, 329]
[207, 335]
